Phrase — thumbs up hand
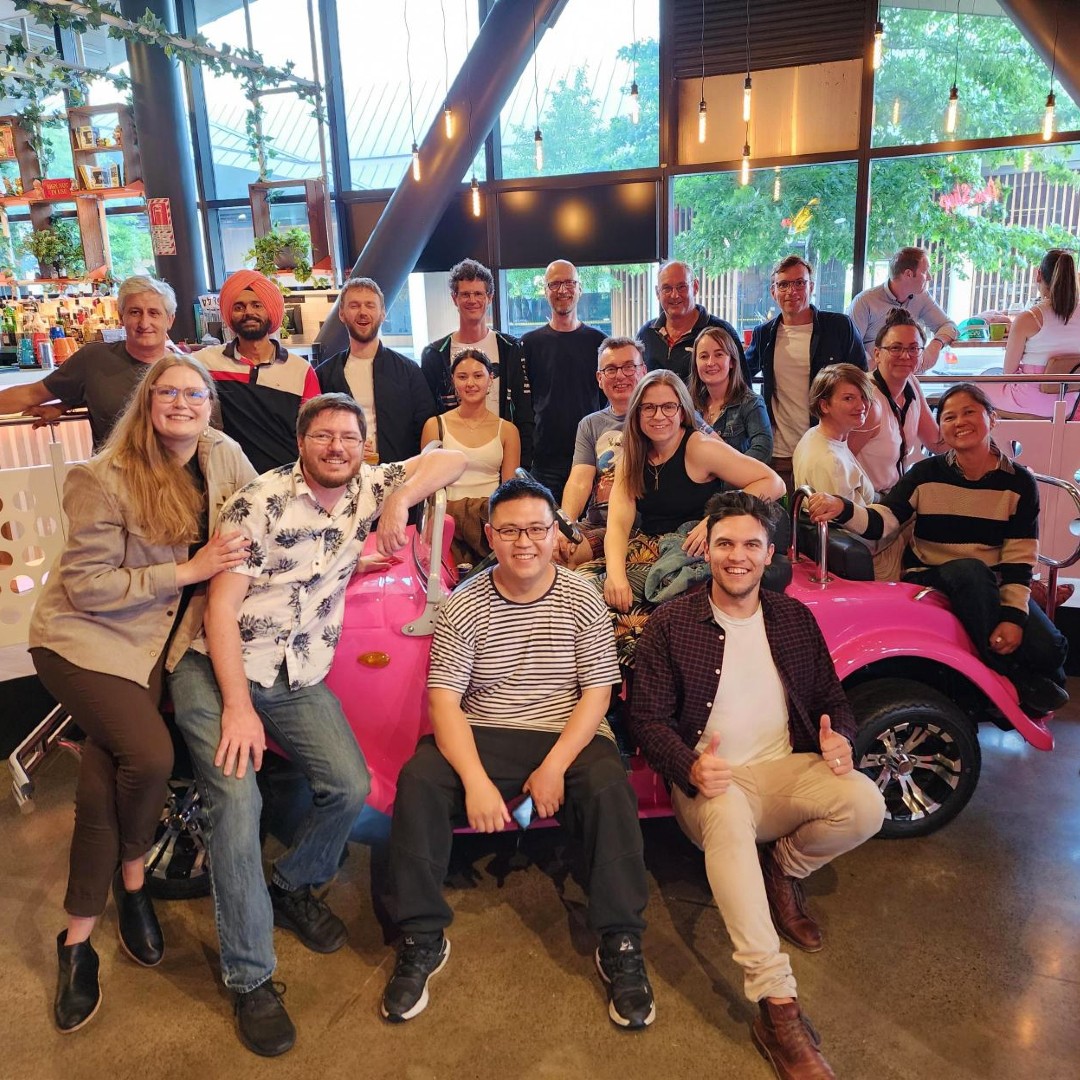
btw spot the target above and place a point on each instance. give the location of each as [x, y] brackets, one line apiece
[835, 749]
[711, 773]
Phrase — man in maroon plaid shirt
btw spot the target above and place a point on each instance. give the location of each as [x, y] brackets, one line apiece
[737, 705]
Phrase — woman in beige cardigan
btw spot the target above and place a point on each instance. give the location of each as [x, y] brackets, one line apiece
[122, 602]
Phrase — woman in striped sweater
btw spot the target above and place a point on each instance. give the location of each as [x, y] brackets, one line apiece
[975, 538]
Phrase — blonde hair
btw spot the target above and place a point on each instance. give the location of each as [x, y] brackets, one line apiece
[635, 444]
[829, 379]
[163, 497]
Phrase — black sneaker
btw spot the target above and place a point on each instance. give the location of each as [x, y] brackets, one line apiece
[262, 1023]
[1040, 695]
[622, 968]
[309, 918]
[419, 957]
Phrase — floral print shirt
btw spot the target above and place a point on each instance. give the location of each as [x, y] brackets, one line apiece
[300, 562]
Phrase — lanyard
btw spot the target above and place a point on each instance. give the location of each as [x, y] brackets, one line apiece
[900, 412]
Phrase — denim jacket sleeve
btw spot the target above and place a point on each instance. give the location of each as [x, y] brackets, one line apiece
[758, 429]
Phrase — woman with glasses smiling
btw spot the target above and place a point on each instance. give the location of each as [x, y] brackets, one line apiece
[121, 604]
[667, 473]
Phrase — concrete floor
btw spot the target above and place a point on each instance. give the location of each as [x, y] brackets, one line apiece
[956, 956]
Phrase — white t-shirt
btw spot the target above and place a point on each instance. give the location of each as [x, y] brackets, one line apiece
[829, 465]
[490, 348]
[360, 375]
[749, 710]
[791, 396]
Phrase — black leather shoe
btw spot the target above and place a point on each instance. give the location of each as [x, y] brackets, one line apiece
[309, 918]
[262, 1023]
[1040, 695]
[78, 994]
[140, 934]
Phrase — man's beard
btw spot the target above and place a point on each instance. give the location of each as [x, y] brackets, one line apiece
[360, 336]
[250, 330]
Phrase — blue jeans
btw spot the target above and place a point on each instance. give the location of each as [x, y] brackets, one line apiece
[309, 725]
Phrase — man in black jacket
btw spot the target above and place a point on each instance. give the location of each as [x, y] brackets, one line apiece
[390, 387]
[471, 289]
[791, 349]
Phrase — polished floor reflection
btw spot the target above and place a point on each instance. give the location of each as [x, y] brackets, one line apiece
[956, 956]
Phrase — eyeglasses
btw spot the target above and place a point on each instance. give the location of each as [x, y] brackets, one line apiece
[798, 285]
[668, 408]
[610, 371]
[896, 351]
[510, 533]
[675, 290]
[349, 440]
[194, 395]
[561, 286]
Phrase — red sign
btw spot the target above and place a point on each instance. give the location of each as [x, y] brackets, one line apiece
[159, 211]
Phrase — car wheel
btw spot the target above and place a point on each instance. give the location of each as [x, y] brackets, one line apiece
[920, 750]
[178, 864]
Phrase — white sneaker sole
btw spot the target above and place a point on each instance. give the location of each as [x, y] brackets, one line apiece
[421, 1005]
[616, 1016]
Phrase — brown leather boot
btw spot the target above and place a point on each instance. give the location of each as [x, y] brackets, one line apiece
[789, 1043]
[787, 904]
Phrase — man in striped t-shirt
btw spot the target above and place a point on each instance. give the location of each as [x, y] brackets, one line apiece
[522, 667]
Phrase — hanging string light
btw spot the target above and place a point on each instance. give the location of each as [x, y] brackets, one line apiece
[954, 93]
[747, 85]
[702, 112]
[475, 189]
[744, 173]
[1048, 115]
[635, 96]
[448, 113]
[776, 185]
[879, 43]
[538, 136]
[412, 111]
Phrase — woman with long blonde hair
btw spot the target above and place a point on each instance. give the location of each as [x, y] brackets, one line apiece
[121, 604]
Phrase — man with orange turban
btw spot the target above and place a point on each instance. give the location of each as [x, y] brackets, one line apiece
[261, 385]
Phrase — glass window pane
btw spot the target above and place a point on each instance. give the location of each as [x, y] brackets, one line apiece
[733, 234]
[129, 245]
[377, 91]
[581, 89]
[237, 236]
[986, 219]
[1002, 82]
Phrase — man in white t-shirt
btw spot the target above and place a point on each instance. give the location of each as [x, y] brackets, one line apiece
[790, 349]
[472, 288]
[737, 705]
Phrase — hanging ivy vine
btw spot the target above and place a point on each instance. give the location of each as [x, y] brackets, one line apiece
[45, 73]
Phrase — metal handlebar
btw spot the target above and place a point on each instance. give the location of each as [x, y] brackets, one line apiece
[432, 521]
[800, 495]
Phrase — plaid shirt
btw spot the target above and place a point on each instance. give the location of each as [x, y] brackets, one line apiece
[677, 669]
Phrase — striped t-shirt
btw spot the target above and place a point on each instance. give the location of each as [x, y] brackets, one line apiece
[523, 665]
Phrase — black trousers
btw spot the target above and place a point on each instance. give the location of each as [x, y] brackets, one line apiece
[972, 589]
[599, 812]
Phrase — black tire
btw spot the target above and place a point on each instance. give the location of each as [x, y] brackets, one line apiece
[178, 864]
[920, 750]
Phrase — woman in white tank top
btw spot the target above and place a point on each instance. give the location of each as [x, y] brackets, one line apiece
[1049, 328]
[492, 447]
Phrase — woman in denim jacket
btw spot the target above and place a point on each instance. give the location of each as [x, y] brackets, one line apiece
[721, 395]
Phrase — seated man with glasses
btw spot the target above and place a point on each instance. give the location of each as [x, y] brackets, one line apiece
[669, 339]
[522, 668]
[272, 624]
[790, 349]
[899, 419]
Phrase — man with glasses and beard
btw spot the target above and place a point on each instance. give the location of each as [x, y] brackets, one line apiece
[790, 349]
[560, 358]
[390, 387]
[261, 385]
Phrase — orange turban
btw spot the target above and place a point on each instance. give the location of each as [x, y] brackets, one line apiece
[261, 286]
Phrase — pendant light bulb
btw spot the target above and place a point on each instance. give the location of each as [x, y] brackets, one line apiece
[744, 175]
[475, 189]
[448, 120]
[702, 120]
[746, 89]
[416, 162]
[1048, 118]
[538, 142]
[635, 104]
[776, 185]
[879, 41]
[950, 112]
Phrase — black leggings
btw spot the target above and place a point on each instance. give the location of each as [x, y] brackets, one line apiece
[126, 762]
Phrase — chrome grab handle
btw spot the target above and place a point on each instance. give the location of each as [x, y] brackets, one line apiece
[432, 521]
[1058, 564]
[800, 495]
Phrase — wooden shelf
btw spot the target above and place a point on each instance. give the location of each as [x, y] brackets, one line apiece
[115, 148]
[130, 191]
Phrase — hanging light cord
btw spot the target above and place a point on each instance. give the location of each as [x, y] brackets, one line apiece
[468, 72]
[956, 64]
[408, 70]
[633, 35]
[702, 50]
[1057, 27]
[536, 78]
[445, 50]
[748, 39]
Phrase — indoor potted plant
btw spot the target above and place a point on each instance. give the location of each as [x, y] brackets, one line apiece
[58, 250]
[288, 250]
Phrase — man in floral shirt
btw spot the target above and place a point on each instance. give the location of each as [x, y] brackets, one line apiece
[270, 632]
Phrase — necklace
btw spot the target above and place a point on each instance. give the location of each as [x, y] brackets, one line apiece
[657, 469]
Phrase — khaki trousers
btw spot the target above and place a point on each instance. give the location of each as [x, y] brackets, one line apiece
[813, 816]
